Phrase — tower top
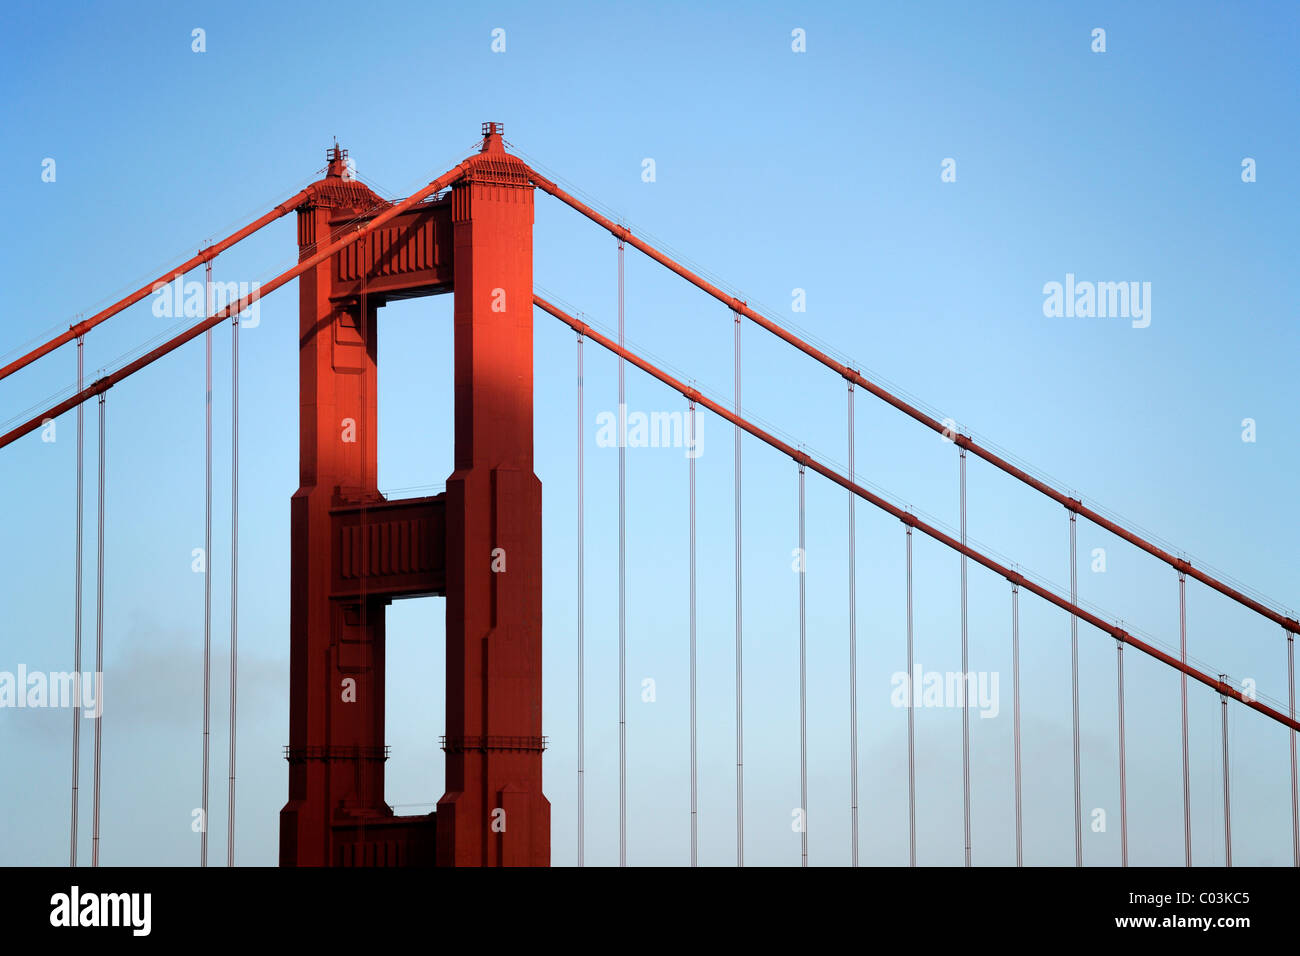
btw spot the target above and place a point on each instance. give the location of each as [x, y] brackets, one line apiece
[492, 133]
[337, 160]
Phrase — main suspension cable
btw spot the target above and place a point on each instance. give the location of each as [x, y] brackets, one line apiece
[909, 519]
[739, 307]
[346, 238]
[79, 329]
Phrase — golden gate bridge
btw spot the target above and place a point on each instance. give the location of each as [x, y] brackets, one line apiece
[469, 232]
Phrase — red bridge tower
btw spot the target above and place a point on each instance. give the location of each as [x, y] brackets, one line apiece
[479, 544]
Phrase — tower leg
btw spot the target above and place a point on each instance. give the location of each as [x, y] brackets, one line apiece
[494, 813]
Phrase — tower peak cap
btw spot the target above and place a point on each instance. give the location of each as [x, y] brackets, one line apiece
[336, 162]
[492, 142]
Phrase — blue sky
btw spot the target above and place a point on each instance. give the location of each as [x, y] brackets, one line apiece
[776, 171]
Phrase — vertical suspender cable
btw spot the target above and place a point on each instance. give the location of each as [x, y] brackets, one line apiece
[803, 673]
[234, 577]
[1074, 688]
[1123, 781]
[853, 644]
[207, 575]
[622, 582]
[740, 683]
[1295, 790]
[965, 676]
[582, 685]
[99, 639]
[690, 457]
[1015, 712]
[1227, 800]
[1187, 767]
[911, 716]
[76, 637]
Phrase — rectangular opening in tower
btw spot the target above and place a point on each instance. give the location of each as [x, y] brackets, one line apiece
[415, 455]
